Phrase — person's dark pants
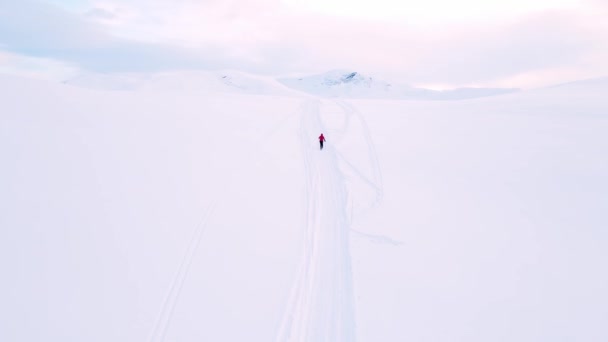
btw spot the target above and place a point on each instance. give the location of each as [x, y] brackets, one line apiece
[321, 142]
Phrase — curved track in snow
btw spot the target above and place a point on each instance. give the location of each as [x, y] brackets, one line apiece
[321, 306]
[376, 181]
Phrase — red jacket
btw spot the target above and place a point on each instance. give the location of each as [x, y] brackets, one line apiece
[321, 137]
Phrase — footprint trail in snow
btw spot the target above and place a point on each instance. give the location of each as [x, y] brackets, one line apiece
[322, 305]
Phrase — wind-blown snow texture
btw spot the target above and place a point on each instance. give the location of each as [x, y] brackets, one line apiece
[194, 210]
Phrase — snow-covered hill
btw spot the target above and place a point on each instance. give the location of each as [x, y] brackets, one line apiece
[230, 81]
[593, 83]
[334, 84]
[354, 85]
[157, 214]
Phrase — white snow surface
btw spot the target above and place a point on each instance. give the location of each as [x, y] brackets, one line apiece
[194, 210]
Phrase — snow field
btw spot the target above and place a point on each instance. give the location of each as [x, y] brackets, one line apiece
[148, 214]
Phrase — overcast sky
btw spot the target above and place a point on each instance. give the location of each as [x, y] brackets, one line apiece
[441, 43]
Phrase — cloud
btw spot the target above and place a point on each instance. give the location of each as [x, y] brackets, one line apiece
[101, 14]
[15, 64]
[268, 36]
[274, 38]
[93, 41]
[457, 55]
[539, 42]
[40, 30]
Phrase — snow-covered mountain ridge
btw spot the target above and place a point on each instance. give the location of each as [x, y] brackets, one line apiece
[352, 84]
[334, 84]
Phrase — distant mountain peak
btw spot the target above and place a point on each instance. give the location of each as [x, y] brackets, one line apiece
[353, 84]
[349, 77]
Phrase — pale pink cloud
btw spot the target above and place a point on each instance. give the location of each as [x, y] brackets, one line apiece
[271, 36]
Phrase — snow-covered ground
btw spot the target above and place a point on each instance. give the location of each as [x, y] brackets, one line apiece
[208, 213]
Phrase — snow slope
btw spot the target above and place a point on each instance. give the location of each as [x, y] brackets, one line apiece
[333, 84]
[229, 81]
[354, 85]
[152, 214]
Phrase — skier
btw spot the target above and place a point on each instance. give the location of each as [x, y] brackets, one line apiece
[321, 140]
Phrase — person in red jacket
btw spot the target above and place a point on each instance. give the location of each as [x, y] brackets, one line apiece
[321, 140]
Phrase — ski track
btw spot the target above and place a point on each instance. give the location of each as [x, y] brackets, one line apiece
[379, 239]
[321, 306]
[165, 315]
[349, 110]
